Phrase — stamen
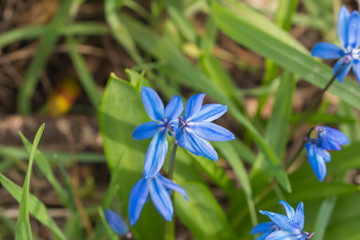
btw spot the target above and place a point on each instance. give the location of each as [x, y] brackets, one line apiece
[182, 122]
[172, 131]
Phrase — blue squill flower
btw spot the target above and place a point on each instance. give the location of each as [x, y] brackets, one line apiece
[116, 223]
[330, 138]
[158, 187]
[196, 127]
[290, 226]
[265, 229]
[164, 120]
[348, 31]
[317, 156]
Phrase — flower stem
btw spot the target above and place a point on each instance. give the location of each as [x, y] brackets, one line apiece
[172, 162]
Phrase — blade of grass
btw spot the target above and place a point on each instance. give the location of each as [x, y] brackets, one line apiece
[323, 217]
[33, 32]
[23, 228]
[43, 53]
[85, 76]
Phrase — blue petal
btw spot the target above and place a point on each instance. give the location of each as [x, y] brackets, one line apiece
[180, 136]
[193, 106]
[116, 223]
[290, 212]
[336, 135]
[263, 236]
[152, 103]
[161, 199]
[137, 199]
[343, 26]
[147, 130]
[210, 112]
[344, 71]
[354, 30]
[330, 138]
[324, 154]
[211, 131]
[327, 51]
[316, 160]
[284, 235]
[174, 108]
[356, 68]
[299, 216]
[263, 227]
[282, 221]
[201, 146]
[167, 183]
[155, 155]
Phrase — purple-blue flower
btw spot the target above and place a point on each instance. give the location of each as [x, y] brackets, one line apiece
[290, 227]
[317, 148]
[158, 187]
[164, 120]
[116, 223]
[349, 35]
[330, 138]
[196, 127]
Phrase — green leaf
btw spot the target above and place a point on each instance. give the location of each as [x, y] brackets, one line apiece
[23, 228]
[344, 160]
[257, 33]
[202, 214]
[35, 206]
[45, 168]
[180, 69]
[323, 216]
[120, 112]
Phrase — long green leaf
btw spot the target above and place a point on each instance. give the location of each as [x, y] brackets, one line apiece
[23, 228]
[36, 207]
[256, 32]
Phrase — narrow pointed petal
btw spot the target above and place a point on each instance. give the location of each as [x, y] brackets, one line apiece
[263, 227]
[161, 199]
[180, 132]
[174, 108]
[343, 26]
[211, 131]
[201, 146]
[327, 51]
[356, 68]
[336, 135]
[299, 217]
[116, 223]
[284, 235]
[152, 103]
[290, 212]
[137, 199]
[282, 221]
[354, 30]
[210, 112]
[316, 161]
[155, 155]
[167, 183]
[324, 154]
[193, 106]
[147, 130]
[345, 70]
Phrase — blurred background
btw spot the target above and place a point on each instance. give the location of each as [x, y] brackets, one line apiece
[56, 58]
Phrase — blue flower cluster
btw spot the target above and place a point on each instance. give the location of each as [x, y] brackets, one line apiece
[283, 227]
[191, 131]
[317, 148]
[349, 54]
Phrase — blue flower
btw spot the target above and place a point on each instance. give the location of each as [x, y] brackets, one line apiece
[265, 228]
[317, 148]
[116, 223]
[164, 120]
[317, 156]
[290, 226]
[196, 127]
[330, 138]
[158, 187]
[349, 35]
